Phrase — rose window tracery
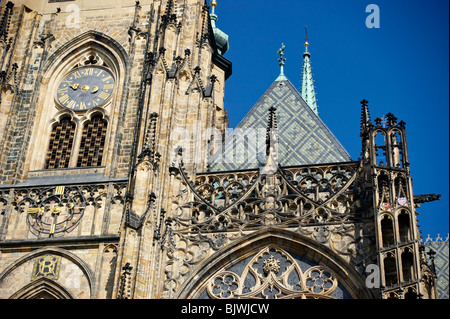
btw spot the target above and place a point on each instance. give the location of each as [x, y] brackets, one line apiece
[275, 274]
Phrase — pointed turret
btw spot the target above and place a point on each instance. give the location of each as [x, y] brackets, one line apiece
[366, 125]
[308, 90]
[365, 118]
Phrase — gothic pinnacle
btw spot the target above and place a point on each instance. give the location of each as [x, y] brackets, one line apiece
[365, 116]
[308, 90]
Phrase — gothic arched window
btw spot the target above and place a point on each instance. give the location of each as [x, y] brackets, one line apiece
[396, 149]
[408, 265]
[387, 231]
[92, 142]
[380, 149]
[390, 270]
[61, 142]
[404, 226]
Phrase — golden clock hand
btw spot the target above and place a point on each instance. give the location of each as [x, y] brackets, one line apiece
[32, 210]
[72, 206]
[85, 88]
[55, 213]
[94, 90]
[75, 86]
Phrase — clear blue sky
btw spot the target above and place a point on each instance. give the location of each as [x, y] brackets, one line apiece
[402, 68]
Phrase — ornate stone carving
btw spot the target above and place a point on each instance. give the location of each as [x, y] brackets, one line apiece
[316, 202]
[273, 274]
[27, 204]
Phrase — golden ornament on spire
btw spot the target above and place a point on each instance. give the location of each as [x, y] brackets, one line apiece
[213, 3]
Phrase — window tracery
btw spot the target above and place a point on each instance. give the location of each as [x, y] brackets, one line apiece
[61, 143]
[82, 80]
[275, 274]
[92, 142]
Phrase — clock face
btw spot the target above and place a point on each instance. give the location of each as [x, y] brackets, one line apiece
[85, 88]
[56, 210]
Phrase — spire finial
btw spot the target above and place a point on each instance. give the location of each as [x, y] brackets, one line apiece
[213, 5]
[213, 14]
[306, 38]
[282, 61]
[281, 54]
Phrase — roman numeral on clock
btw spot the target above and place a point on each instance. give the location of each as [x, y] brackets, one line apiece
[59, 190]
[71, 104]
[103, 95]
[64, 98]
[88, 71]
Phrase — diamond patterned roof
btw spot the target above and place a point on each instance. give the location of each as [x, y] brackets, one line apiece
[303, 139]
[441, 261]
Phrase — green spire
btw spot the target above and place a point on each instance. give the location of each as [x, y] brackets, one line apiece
[282, 61]
[222, 41]
[308, 90]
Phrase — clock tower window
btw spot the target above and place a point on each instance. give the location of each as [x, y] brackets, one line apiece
[92, 142]
[60, 146]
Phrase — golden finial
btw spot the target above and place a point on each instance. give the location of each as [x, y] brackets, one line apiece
[214, 5]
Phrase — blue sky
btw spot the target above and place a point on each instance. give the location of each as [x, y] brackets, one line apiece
[401, 67]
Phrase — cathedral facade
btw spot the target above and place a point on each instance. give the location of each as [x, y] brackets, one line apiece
[118, 179]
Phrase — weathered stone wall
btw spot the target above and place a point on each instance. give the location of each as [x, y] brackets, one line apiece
[161, 55]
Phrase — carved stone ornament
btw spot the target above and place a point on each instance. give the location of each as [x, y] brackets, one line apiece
[315, 202]
[273, 274]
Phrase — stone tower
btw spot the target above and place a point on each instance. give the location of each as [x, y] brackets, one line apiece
[117, 182]
[96, 97]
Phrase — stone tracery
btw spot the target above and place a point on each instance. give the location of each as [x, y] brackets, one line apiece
[316, 202]
[273, 274]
